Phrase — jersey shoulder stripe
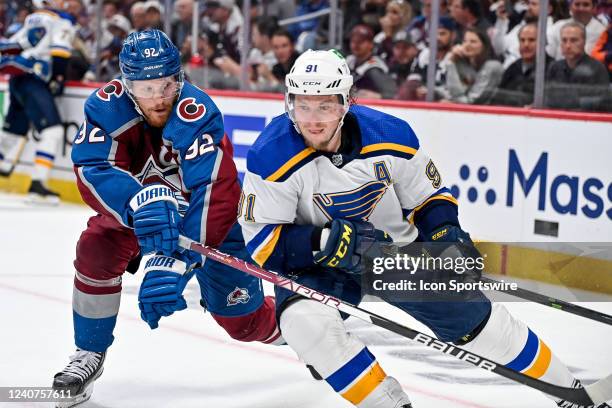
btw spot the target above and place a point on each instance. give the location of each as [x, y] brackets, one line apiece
[384, 134]
[279, 151]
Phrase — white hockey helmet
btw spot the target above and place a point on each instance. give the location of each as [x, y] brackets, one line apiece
[319, 73]
[43, 4]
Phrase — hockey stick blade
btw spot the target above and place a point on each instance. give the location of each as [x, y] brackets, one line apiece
[593, 394]
[554, 303]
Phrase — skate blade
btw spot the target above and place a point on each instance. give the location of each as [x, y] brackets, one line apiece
[79, 399]
[37, 199]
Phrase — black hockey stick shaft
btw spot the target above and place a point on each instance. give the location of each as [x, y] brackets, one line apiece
[554, 303]
[596, 393]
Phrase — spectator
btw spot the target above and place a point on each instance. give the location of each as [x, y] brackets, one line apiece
[506, 43]
[419, 26]
[560, 10]
[370, 73]
[285, 53]
[154, 11]
[414, 88]
[181, 27]
[517, 84]
[109, 9]
[261, 36]
[468, 14]
[403, 57]
[603, 12]
[602, 51]
[305, 32]
[396, 19]
[206, 74]
[473, 75]
[138, 16]
[119, 26]
[582, 12]
[225, 27]
[371, 13]
[578, 81]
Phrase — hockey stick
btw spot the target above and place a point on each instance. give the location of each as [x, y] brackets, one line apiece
[554, 303]
[595, 393]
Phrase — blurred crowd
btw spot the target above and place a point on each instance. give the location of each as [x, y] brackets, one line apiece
[485, 50]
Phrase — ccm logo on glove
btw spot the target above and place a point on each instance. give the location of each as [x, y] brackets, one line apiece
[343, 246]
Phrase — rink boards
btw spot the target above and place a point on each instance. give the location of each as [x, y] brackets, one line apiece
[519, 175]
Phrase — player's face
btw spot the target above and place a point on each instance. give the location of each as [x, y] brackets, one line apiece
[317, 118]
[155, 98]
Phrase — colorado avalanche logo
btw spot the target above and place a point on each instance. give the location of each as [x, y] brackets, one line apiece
[189, 110]
[114, 87]
[238, 295]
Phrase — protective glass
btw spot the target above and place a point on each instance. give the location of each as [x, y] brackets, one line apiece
[164, 88]
[315, 108]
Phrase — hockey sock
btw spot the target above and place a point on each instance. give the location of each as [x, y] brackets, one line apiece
[318, 336]
[46, 149]
[509, 341]
[95, 305]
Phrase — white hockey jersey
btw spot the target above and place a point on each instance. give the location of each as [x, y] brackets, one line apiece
[45, 34]
[384, 180]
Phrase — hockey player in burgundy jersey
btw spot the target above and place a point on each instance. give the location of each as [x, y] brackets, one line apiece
[152, 159]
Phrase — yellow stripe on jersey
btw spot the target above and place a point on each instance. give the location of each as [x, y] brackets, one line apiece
[388, 146]
[362, 388]
[291, 163]
[60, 52]
[541, 363]
[436, 197]
[262, 255]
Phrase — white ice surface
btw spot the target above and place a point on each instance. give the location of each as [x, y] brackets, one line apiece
[190, 362]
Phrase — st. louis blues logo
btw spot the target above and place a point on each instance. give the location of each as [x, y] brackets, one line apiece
[190, 111]
[356, 204]
[114, 87]
[238, 295]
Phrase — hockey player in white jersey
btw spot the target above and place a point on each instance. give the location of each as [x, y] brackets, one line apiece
[323, 182]
[36, 58]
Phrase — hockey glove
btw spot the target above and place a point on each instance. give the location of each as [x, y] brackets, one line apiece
[155, 219]
[452, 243]
[350, 244]
[161, 290]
